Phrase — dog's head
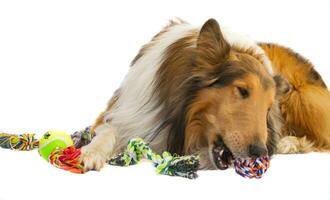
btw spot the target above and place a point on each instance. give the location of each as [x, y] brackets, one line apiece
[233, 104]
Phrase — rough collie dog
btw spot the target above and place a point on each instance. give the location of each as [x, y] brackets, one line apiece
[216, 93]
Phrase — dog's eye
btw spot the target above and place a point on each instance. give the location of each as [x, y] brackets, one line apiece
[243, 92]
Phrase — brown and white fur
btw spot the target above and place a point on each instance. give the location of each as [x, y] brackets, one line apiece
[216, 93]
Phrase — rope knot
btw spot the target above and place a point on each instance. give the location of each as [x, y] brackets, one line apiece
[173, 165]
[184, 166]
[22, 142]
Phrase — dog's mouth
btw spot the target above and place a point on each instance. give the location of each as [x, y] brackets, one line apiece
[222, 156]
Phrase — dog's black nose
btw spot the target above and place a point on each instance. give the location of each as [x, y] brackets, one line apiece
[257, 150]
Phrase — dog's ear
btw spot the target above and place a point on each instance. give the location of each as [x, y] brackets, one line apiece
[211, 44]
[282, 85]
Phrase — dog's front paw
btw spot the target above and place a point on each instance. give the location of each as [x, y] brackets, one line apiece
[288, 145]
[92, 158]
[292, 144]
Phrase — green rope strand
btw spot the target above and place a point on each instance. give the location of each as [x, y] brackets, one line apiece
[137, 149]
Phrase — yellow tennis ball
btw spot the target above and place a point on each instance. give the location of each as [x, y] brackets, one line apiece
[52, 140]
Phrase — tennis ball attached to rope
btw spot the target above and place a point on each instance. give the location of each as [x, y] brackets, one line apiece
[53, 140]
[252, 168]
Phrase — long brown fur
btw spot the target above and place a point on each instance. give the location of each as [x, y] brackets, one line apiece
[305, 106]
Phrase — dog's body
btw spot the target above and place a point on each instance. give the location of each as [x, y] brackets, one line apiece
[306, 105]
[216, 93]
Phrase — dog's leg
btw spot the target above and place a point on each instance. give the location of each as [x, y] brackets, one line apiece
[293, 144]
[95, 154]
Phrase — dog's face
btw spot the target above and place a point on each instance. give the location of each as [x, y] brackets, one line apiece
[229, 114]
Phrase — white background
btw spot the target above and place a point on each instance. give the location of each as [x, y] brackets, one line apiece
[60, 62]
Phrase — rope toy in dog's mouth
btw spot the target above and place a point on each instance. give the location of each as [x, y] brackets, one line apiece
[252, 168]
[63, 152]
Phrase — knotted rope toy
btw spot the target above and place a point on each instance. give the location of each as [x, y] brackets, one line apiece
[251, 168]
[63, 151]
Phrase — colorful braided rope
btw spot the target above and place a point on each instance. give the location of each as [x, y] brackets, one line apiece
[167, 164]
[137, 149]
[252, 168]
[67, 159]
[22, 142]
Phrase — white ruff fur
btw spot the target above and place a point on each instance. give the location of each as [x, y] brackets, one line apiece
[134, 115]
